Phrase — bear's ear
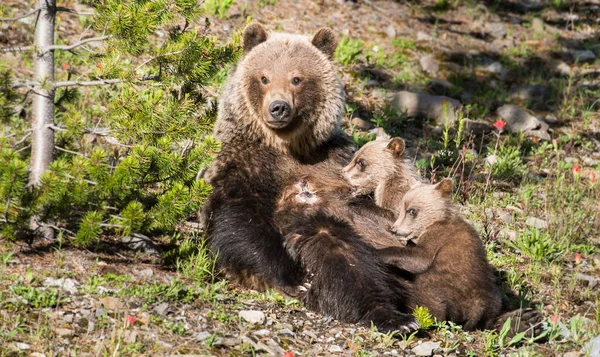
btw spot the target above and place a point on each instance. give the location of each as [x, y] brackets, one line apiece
[380, 134]
[445, 187]
[326, 41]
[413, 182]
[396, 146]
[254, 34]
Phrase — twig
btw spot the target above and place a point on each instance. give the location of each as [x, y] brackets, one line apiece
[12, 19]
[87, 83]
[22, 139]
[17, 49]
[73, 11]
[68, 151]
[156, 57]
[76, 44]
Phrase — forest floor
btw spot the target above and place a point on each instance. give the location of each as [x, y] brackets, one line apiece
[534, 197]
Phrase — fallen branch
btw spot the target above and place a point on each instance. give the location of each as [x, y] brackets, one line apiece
[17, 49]
[13, 19]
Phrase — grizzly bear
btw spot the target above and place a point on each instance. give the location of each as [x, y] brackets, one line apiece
[379, 168]
[278, 121]
[452, 276]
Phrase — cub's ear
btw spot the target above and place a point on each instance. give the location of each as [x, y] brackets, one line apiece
[397, 146]
[445, 187]
[380, 134]
[254, 34]
[326, 41]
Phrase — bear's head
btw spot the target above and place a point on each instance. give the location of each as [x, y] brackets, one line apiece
[374, 162]
[290, 88]
[422, 206]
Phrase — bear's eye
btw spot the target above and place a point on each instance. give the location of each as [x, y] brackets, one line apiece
[361, 164]
[264, 80]
[296, 81]
[411, 212]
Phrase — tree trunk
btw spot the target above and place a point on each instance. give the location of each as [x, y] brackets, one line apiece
[42, 139]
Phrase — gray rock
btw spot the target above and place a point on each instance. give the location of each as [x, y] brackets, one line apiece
[537, 25]
[495, 29]
[335, 349]
[64, 332]
[490, 160]
[592, 348]
[536, 222]
[442, 109]
[541, 132]
[252, 316]
[495, 68]
[100, 312]
[361, 123]
[564, 330]
[390, 31]
[162, 309]
[68, 317]
[68, 285]
[592, 281]
[562, 68]
[263, 332]
[506, 218]
[489, 213]
[478, 127]
[583, 56]
[426, 348]
[423, 37]
[22, 346]
[310, 334]
[440, 86]
[203, 336]
[226, 342]
[111, 303]
[536, 93]
[551, 119]
[147, 273]
[286, 331]
[517, 119]
[430, 65]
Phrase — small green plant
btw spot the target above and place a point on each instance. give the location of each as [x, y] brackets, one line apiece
[37, 297]
[195, 262]
[423, 316]
[508, 165]
[539, 245]
[5, 256]
[218, 7]
[348, 50]
[263, 3]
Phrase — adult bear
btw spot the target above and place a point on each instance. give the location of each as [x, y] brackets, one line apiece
[278, 121]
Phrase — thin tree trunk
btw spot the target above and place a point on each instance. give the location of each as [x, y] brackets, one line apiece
[42, 139]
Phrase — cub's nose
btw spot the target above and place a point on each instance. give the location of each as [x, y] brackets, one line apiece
[280, 109]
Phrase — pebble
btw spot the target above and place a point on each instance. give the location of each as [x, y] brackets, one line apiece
[68, 285]
[423, 37]
[495, 68]
[310, 334]
[495, 29]
[592, 348]
[100, 312]
[390, 31]
[562, 68]
[252, 316]
[201, 336]
[22, 346]
[262, 332]
[111, 303]
[551, 119]
[335, 349]
[537, 25]
[286, 331]
[361, 123]
[426, 348]
[162, 309]
[64, 332]
[430, 65]
[147, 273]
[440, 108]
[226, 342]
[517, 119]
[583, 56]
[490, 160]
[536, 222]
[506, 218]
[592, 281]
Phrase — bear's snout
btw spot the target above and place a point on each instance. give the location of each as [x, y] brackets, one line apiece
[280, 110]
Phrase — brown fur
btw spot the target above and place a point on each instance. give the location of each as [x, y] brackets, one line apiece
[380, 168]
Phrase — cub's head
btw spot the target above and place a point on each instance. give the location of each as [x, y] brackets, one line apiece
[373, 163]
[422, 206]
[290, 87]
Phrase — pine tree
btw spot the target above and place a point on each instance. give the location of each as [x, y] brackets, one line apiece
[131, 122]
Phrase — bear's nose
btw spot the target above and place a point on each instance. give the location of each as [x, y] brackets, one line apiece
[279, 109]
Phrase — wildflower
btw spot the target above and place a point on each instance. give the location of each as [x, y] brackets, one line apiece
[65, 66]
[130, 320]
[288, 354]
[554, 319]
[576, 169]
[577, 258]
[500, 124]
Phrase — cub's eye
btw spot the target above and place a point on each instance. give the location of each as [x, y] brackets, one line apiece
[411, 212]
[264, 80]
[361, 164]
[296, 81]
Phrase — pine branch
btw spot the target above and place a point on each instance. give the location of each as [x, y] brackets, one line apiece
[13, 19]
[156, 57]
[22, 140]
[73, 11]
[76, 44]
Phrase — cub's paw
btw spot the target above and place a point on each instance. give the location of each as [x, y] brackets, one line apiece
[387, 321]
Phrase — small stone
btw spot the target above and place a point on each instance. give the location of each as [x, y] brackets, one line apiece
[335, 349]
[37, 354]
[490, 160]
[111, 303]
[442, 109]
[489, 213]
[68, 285]
[162, 309]
[495, 68]
[536, 222]
[130, 336]
[226, 342]
[495, 29]
[22, 346]
[551, 119]
[390, 31]
[286, 331]
[562, 68]
[146, 273]
[430, 65]
[361, 123]
[252, 316]
[591, 280]
[68, 318]
[440, 86]
[426, 348]
[478, 127]
[537, 25]
[592, 348]
[64, 332]
[423, 37]
[310, 334]
[517, 119]
[509, 234]
[583, 56]
[263, 332]
[572, 354]
[203, 336]
[100, 312]
[535, 94]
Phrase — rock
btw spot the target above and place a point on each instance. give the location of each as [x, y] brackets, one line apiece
[495, 29]
[440, 86]
[64, 332]
[495, 68]
[572, 354]
[509, 234]
[517, 119]
[274, 346]
[442, 109]
[562, 68]
[537, 25]
[591, 280]
[426, 348]
[100, 312]
[541, 132]
[68, 317]
[490, 160]
[430, 65]
[423, 37]
[361, 123]
[529, 6]
[489, 213]
[130, 336]
[592, 348]
[262, 332]
[140, 242]
[226, 342]
[535, 94]
[111, 303]
[478, 127]
[583, 56]
[22, 346]
[163, 309]
[146, 273]
[551, 119]
[390, 31]
[310, 334]
[37, 354]
[286, 331]
[252, 316]
[202, 336]
[536, 222]
[68, 285]
[335, 349]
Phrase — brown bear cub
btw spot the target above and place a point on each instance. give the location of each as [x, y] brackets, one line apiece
[379, 168]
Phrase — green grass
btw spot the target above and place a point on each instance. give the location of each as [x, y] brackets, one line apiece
[348, 50]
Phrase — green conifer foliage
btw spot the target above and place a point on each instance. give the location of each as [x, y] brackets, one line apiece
[127, 153]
